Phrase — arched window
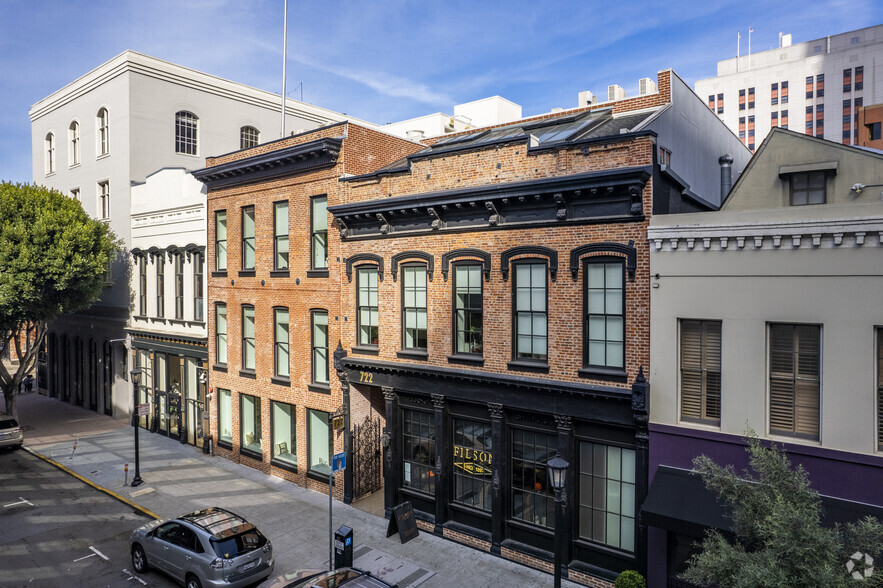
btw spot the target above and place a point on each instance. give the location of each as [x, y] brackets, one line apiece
[74, 138]
[248, 137]
[50, 153]
[103, 132]
[185, 132]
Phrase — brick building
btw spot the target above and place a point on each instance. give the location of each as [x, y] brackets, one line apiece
[490, 293]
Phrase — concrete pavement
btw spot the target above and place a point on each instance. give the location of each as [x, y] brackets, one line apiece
[180, 478]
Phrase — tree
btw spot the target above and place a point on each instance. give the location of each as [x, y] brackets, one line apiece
[779, 537]
[53, 259]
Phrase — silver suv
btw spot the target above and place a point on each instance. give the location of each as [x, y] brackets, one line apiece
[211, 547]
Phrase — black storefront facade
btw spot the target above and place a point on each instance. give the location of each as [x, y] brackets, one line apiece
[173, 384]
[469, 450]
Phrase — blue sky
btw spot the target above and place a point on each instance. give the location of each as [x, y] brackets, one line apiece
[391, 60]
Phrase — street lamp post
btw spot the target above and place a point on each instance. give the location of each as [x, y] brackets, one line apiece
[136, 380]
[557, 474]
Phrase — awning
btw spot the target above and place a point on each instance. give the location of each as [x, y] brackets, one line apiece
[679, 501]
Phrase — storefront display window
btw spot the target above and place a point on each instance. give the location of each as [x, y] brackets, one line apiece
[250, 423]
[319, 435]
[284, 433]
[225, 417]
[533, 500]
[607, 495]
[472, 463]
[419, 451]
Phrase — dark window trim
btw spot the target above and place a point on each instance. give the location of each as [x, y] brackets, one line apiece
[313, 232]
[319, 388]
[226, 334]
[279, 273]
[534, 251]
[289, 467]
[414, 352]
[246, 273]
[459, 355]
[360, 259]
[277, 236]
[217, 271]
[224, 444]
[280, 381]
[219, 274]
[597, 373]
[475, 359]
[366, 349]
[603, 370]
[250, 374]
[310, 472]
[315, 273]
[609, 247]
[427, 258]
[484, 256]
[379, 271]
[523, 363]
[313, 347]
[242, 338]
[276, 374]
[244, 239]
[219, 367]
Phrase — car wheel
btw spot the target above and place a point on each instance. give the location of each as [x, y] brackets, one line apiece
[139, 560]
[193, 582]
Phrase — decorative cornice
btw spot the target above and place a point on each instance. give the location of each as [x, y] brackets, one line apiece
[532, 250]
[467, 252]
[398, 257]
[629, 251]
[274, 164]
[495, 409]
[785, 234]
[607, 196]
[438, 401]
[563, 422]
[366, 257]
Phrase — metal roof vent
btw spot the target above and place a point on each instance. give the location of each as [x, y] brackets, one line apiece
[646, 86]
[586, 98]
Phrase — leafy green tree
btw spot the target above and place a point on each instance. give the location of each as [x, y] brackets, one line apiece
[53, 260]
[779, 538]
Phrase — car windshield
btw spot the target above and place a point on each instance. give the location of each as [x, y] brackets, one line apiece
[8, 424]
[238, 544]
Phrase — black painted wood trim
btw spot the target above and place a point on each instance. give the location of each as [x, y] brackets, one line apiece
[366, 257]
[466, 252]
[535, 250]
[398, 257]
[631, 255]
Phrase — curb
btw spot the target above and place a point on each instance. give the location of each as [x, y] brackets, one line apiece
[110, 493]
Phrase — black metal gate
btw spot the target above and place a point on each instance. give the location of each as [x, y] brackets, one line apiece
[367, 457]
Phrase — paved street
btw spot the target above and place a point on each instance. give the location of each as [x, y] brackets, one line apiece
[179, 478]
[56, 530]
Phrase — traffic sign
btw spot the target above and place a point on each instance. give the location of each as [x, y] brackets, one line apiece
[338, 462]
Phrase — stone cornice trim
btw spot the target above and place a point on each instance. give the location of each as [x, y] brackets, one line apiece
[786, 234]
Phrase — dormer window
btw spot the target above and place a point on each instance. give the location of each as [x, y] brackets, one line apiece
[808, 188]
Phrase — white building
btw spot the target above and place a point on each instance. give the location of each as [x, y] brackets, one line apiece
[486, 112]
[814, 88]
[168, 325]
[112, 127]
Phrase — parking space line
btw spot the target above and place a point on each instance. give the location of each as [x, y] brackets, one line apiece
[85, 557]
[133, 576]
[23, 501]
[101, 555]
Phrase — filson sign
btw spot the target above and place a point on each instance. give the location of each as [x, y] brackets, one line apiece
[477, 463]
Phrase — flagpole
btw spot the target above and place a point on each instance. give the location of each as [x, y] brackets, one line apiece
[750, 30]
[738, 41]
[284, 62]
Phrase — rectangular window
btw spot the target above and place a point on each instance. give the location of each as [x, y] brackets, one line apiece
[859, 78]
[784, 93]
[280, 341]
[820, 85]
[248, 251]
[160, 262]
[142, 285]
[284, 424]
[280, 235]
[319, 231]
[468, 309]
[221, 240]
[414, 307]
[319, 449]
[418, 451]
[742, 99]
[711, 102]
[720, 103]
[874, 131]
[847, 80]
[809, 87]
[225, 417]
[248, 337]
[472, 463]
[198, 296]
[607, 495]
[104, 199]
[250, 423]
[701, 371]
[774, 93]
[221, 334]
[530, 311]
[808, 188]
[795, 359]
[774, 119]
[533, 500]
[604, 305]
[179, 286]
[783, 119]
[366, 283]
[750, 97]
[320, 346]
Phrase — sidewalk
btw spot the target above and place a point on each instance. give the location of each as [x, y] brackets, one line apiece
[180, 478]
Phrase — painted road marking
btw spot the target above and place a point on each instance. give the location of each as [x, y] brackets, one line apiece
[142, 491]
[23, 501]
[85, 557]
[133, 576]
[101, 555]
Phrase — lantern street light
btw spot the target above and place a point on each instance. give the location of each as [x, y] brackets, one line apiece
[136, 381]
[557, 476]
